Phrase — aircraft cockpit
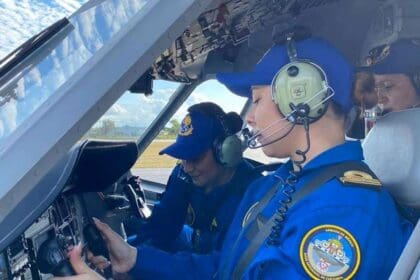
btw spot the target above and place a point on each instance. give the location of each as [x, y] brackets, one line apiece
[86, 104]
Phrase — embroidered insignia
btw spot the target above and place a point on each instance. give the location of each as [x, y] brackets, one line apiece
[248, 214]
[360, 178]
[186, 126]
[377, 54]
[190, 217]
[329, 252]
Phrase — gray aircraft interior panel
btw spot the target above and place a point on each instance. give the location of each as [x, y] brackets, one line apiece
[392, 150]
[65, 118]
[37, 200]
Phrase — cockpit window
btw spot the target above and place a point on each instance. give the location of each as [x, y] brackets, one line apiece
[23, 93]
[132, 114]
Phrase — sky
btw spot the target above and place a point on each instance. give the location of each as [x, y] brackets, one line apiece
[21, 19]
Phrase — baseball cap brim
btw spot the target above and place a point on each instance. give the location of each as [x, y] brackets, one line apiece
[241, 84]
[197, 134]
[186, 150]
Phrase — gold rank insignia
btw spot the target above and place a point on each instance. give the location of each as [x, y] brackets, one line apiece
[359, 178]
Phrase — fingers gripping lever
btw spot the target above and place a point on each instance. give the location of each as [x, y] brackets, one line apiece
[97, 244]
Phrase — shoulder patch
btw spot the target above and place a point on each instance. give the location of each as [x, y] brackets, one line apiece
[329, 252]
[359, 178]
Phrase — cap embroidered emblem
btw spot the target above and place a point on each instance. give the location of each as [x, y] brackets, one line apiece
[377, 54]
[329, 252]
[186, 126]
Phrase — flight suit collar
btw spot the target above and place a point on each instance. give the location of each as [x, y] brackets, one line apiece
[348, 151]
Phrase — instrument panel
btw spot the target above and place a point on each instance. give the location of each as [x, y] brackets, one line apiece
[108, 192]
[28, 257]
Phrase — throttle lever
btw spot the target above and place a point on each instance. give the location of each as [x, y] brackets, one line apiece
[95, 241]
[97, 244]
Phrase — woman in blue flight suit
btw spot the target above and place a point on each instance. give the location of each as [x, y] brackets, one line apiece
[205, 188]
[330, 218]
[322, 215]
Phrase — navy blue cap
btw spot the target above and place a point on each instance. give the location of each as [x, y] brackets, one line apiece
[337, 69]
[196, 135]
[400, 57]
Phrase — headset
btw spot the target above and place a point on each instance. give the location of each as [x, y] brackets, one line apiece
[302, 93]
[300, 89]
[227, 148]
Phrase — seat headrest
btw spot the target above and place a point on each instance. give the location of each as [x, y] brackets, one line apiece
[392, 151]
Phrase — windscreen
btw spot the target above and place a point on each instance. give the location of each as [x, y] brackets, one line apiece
[38, 79]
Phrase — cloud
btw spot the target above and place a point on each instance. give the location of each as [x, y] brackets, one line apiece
[22, 19]
[8, 114]
[137, 110]
[117, 109]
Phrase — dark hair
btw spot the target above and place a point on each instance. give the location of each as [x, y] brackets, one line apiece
[415, 80]
[234, 122]
[338, 110]
[366, 86]
[230, 121]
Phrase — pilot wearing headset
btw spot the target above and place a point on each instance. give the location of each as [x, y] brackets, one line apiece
[205, 188]
[322, 215]
[389, 82]
[330, 217]
[396, 69]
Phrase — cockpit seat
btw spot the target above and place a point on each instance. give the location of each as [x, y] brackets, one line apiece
[392, 150]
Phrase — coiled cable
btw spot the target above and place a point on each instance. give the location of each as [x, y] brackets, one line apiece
[287, 190]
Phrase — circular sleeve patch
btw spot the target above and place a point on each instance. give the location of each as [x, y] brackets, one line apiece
[329, 252]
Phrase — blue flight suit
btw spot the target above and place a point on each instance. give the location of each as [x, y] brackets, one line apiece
[350, 216]
[354, 228]
[206, 216]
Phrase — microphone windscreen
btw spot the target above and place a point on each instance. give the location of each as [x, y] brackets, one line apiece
[234, 122]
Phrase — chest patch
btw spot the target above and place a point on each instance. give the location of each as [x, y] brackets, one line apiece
[329, 252]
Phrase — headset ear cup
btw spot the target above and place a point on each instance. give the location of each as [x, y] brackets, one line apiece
[229, 151]
[300, 82]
